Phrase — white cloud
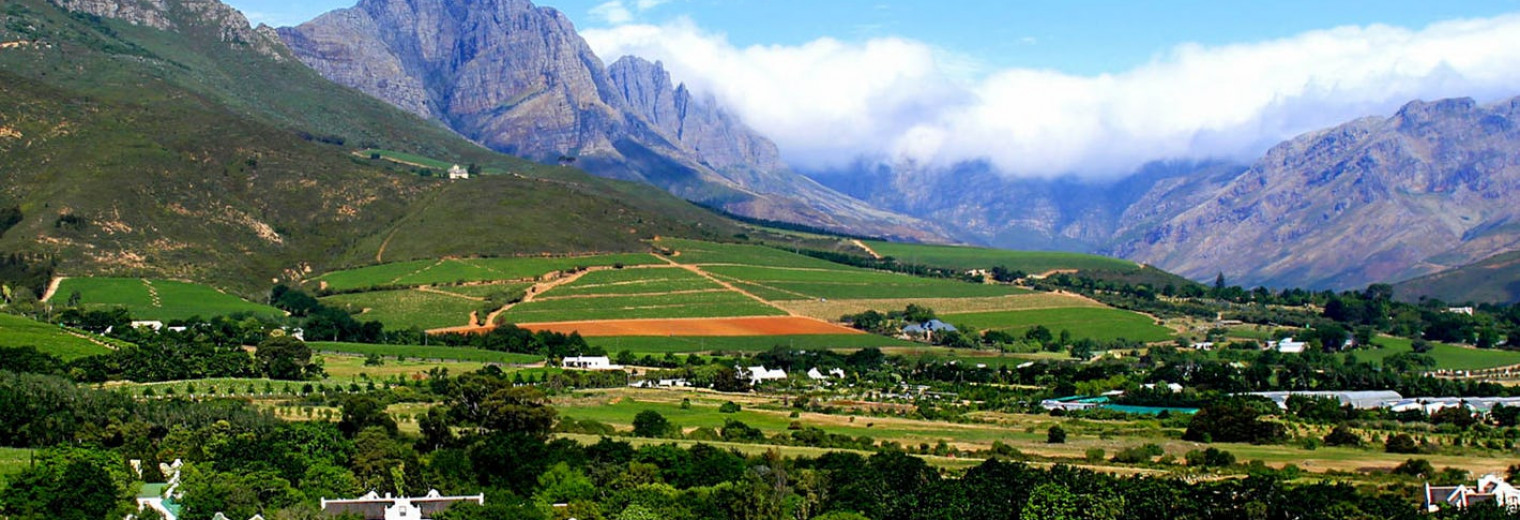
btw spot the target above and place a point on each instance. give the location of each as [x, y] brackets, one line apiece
[828, 102]
[618, 12]
[614, 13]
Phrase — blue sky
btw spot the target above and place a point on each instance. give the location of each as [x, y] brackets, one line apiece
[1095, 88]
[1079, 37]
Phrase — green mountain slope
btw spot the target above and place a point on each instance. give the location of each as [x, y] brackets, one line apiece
[205, 153]
[1496, 279]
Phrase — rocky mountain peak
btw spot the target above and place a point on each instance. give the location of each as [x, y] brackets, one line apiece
[220, 20]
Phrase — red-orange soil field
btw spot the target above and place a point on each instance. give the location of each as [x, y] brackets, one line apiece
[751, 326]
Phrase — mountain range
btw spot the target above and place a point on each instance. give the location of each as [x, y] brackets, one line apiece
[517, 78]
[247, 133]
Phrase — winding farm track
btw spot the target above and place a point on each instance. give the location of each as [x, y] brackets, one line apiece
[699, 272]
[52, 287]
[866, 248]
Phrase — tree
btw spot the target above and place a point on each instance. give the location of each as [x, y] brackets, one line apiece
[1232, 420]
[1051, 501]
[283, 357]
[650, 423]
[1055, 435]
[68, 484]
[1418, 468]
[1342, 435]
[1401, 443]
[364, 411]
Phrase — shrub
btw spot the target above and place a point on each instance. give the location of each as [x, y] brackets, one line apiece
[650, 423]
[1055, 435]
[729, 407]
[1094, 454]
[1401, 443]
[1212, 457]
[1343, 436]
[1418, 468]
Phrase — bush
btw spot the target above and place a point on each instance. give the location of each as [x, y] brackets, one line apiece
[1418, 468]
[1055, 435]
[650, 423]
[1094, 454]
[1210, 458]
[1401, 443]
[1137, 454]
[729, 407]
[1343, 436]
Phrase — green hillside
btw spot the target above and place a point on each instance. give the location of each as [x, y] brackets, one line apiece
[142, 153]
[158, 299]
[1033, 262]
[1493, 280]
[16, 331]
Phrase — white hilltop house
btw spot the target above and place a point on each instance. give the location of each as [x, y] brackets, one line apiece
[1490, 488]
[1287, 346]
[815, 375]
[457, 172]
[590, 363]
[758, 374]
[373, 506]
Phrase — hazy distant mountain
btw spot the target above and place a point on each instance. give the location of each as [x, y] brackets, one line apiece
[1377, 199]
[519, 79]
[1435, 186]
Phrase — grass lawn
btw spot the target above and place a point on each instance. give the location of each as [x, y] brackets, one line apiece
[851, 283]
[375, 275]
[716, 304]
[158, 299]
[634, 281]
[698, 252]
[16, 331]
[1033, 262]
[454, 270]
[1448, 357]
[1094, 323]
[405, 308]
[686, 344]
[349, 367]
[13, 461]
[420, 352]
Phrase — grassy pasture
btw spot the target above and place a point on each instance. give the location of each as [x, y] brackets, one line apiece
[714, 304]
[346, 367]
[13, 461]
[687, 344]
[852, 283]
[452, 270]
[484, 290]
[1448, 357]
[1094, 323]
[834, 308]
[405, 308]
[959, 257]
[175, 300]
[700, 253]
[371, 276]
[16, 331]
[635, 281]
[421, 352]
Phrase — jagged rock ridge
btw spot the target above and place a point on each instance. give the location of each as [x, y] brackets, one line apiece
[519, 79]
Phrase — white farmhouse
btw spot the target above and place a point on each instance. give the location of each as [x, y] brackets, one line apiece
[590, 363]
[1287, 346]
[458, 173]
[1490, 488]
[372, 506]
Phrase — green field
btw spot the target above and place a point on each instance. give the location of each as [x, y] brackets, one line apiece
[157, 299]
[420, 352]
[16, 331]
[406, 308]
[850, 283]
[686, 344]
[1448, 357]
[426, 272]
[701, 253]
[484, 290]
[635, 281]
[959, 257]
[1095, 323]
[13, 461]
[716, 304]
